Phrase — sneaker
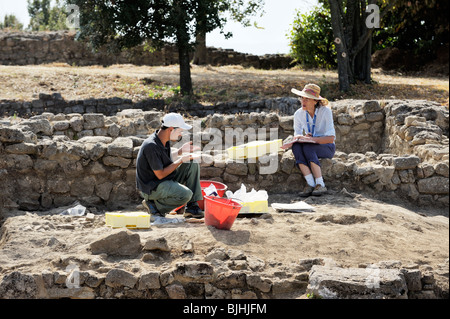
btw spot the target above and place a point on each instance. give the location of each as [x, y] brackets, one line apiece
[319, 190]
[193, 211]
[150, 207]
[181, 210]
[307, 191]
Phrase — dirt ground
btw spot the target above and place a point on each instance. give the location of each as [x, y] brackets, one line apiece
[211, 84]
[352, 229]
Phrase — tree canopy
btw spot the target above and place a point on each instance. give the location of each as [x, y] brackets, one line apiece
[241, 11]
[311, 39]
[419, 27]
[44, 17]
[11, 22]
[127, 23]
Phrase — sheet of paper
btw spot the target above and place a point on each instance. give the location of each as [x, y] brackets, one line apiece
[294, 207]
[299, 140]
[194, 155]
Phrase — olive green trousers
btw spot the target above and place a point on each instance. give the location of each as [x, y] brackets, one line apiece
[184, 188]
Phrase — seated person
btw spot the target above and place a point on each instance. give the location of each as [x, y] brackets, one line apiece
[314, 130]
[166, 184]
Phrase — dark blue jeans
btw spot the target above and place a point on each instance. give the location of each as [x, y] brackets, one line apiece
[306, 153]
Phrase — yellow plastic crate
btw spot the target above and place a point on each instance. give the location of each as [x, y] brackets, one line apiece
[133, 220]
[258, 206]
[237, 152]
[254, 149]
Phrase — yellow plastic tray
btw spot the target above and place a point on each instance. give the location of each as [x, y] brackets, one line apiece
[254, 149]
[259, 206]
[132, 220]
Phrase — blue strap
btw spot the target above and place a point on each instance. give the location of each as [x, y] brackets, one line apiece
[314, 123]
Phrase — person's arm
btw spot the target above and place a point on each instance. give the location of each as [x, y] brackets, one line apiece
[323, 139]
[166, 171]
[186, 148]
[298, 129]
[175, 153]
[329, 135]
[317, 139]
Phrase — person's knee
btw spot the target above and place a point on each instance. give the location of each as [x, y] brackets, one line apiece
[186, 195]
[295, 146]
[298, 154]
[309, 148]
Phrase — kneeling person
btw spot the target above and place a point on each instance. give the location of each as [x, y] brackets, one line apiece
[163, 183]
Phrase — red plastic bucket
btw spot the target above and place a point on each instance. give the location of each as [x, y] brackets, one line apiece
[221, 212]
[221, 189]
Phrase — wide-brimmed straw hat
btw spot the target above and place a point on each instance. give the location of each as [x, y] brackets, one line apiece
[311, 91]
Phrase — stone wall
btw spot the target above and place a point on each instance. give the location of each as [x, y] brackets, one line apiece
[23, 48]
[55, 104]
[52, 160]
[221, 274]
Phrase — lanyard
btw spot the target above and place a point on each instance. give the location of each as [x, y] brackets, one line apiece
[314, 123]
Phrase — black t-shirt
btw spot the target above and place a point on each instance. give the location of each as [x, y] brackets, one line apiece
[153, 156]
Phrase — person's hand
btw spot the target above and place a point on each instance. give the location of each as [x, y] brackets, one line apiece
[186, 158]
[189, 148]
[307, 137]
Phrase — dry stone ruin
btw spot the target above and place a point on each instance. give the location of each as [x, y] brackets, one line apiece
[383, 147]
[55, 152]
[58, 152]
[24, 48]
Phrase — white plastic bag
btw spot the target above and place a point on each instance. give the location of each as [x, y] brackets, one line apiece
[257, 195]
[77, 210]
[240, 194]
[252, 196]
[211, 190]
[251, 202]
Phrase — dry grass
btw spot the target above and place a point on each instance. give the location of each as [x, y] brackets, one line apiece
[211, 84]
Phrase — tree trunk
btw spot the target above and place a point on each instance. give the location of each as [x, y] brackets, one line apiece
[182, 34]
[201, 53]
[344, 71]
[363, 61]
[360, 53]
[185, 70]
[353, 42]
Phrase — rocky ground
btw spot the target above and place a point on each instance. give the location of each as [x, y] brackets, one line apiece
[349, 229]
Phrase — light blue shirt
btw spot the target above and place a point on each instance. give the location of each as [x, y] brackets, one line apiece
[324, 122]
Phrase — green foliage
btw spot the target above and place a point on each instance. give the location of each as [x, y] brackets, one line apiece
[311, 295]
[242, 11]
[46, 18]
[127, 23]
[11, 22]
[311, 39]
[419, 27]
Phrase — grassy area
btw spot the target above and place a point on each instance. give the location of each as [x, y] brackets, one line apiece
[211, 84]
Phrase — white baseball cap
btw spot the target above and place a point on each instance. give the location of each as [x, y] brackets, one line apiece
[175, 120]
